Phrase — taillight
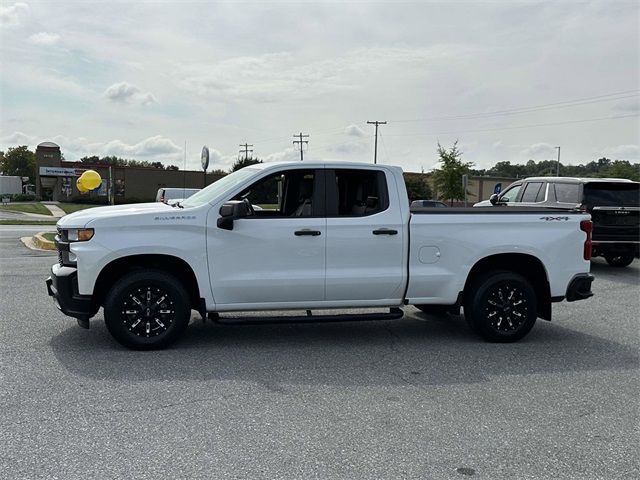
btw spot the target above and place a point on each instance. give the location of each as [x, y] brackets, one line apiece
[162, 197]
[587, 227]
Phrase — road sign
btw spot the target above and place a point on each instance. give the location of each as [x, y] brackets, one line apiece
[497, 188]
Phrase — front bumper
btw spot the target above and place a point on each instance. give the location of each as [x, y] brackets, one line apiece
[580, 287]
[62, 285]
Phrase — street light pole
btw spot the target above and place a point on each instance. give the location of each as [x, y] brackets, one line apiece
[558, 163]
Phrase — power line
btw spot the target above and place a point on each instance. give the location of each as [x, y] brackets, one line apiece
[516, 111]
[513, 128]
[301, 141]
[375, 148]
[246, 150]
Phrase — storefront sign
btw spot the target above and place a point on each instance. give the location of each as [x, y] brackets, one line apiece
[60, 172]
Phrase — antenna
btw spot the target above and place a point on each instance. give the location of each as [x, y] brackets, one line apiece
[184, 171]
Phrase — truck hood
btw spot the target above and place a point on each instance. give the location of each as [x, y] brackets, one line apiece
[82, 217]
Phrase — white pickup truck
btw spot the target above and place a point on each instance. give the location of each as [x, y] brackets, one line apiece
[329, 235]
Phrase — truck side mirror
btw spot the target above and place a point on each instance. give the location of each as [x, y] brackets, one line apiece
[230, 211]
[494, 199]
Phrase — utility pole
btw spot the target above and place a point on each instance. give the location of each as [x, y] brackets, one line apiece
[558, 164]
[246, 150]
[375, 148]
[301, 141]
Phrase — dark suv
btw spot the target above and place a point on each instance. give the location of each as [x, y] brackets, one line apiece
[614, 205]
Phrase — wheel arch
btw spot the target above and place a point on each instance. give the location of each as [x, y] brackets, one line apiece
[529, 266]
[167, 263]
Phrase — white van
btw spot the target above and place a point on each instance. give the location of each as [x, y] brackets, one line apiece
[173, 195]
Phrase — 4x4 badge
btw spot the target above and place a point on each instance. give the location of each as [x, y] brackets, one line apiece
[548, 219]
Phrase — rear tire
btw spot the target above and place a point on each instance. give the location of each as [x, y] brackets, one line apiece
[501, 307]
[619, 260]
[147, 310]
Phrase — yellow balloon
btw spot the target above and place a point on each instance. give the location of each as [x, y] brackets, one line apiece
[81, 187]
[90, 180]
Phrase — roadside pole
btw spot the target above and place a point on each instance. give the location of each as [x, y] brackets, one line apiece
[465, 182]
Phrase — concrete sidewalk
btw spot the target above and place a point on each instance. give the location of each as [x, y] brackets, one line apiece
[55, 210]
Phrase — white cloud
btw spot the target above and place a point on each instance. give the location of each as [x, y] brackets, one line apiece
[273, 77]
[539, 151]
[44, 39]
[156, 147]
[352, 148]
[124, 92]
[354, 131]
[151, 146]
[286, 155]
[12, 16]
[18, 138]
[623, 152]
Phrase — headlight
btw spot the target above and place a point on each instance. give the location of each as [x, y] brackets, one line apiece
[79, 234]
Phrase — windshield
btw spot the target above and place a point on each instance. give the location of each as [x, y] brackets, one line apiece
[228, 182]
[603, 194]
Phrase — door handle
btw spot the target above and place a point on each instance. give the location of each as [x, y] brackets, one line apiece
[385, 231]
[307, 232]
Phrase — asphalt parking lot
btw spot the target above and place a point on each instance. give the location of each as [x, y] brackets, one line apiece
[419, 397]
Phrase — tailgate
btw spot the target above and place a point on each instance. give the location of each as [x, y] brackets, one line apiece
[615, 210]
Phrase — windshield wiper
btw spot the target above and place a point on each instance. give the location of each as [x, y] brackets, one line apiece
[177, 204]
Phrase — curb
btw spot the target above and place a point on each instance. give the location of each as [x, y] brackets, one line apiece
[42, 243]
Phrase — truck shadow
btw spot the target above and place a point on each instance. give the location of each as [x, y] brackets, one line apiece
[415, 351]
[627, 275]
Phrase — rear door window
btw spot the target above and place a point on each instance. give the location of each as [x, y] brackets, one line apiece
[531, 192]
[356, 193]
[602, 194]
[567, 192]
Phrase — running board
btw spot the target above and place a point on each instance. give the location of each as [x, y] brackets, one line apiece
[394, 314]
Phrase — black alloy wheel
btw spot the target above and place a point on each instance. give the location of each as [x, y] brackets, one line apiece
[147, 310]
[502, 307]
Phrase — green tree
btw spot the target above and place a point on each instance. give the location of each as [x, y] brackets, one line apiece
[19, 161]
[622, 169]
[418, 187]
[448, 178]
[244, 162]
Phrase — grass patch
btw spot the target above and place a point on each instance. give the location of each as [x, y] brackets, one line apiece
[28, 222]
[49, 236]
[74, 207]
[26, 208]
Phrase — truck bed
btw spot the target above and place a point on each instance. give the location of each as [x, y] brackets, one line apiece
[492, 210]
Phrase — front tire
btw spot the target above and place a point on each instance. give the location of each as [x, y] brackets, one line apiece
[147, 310]
[501, 307]
[619, 259]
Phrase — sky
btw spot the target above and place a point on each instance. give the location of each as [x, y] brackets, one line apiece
[510, 80]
